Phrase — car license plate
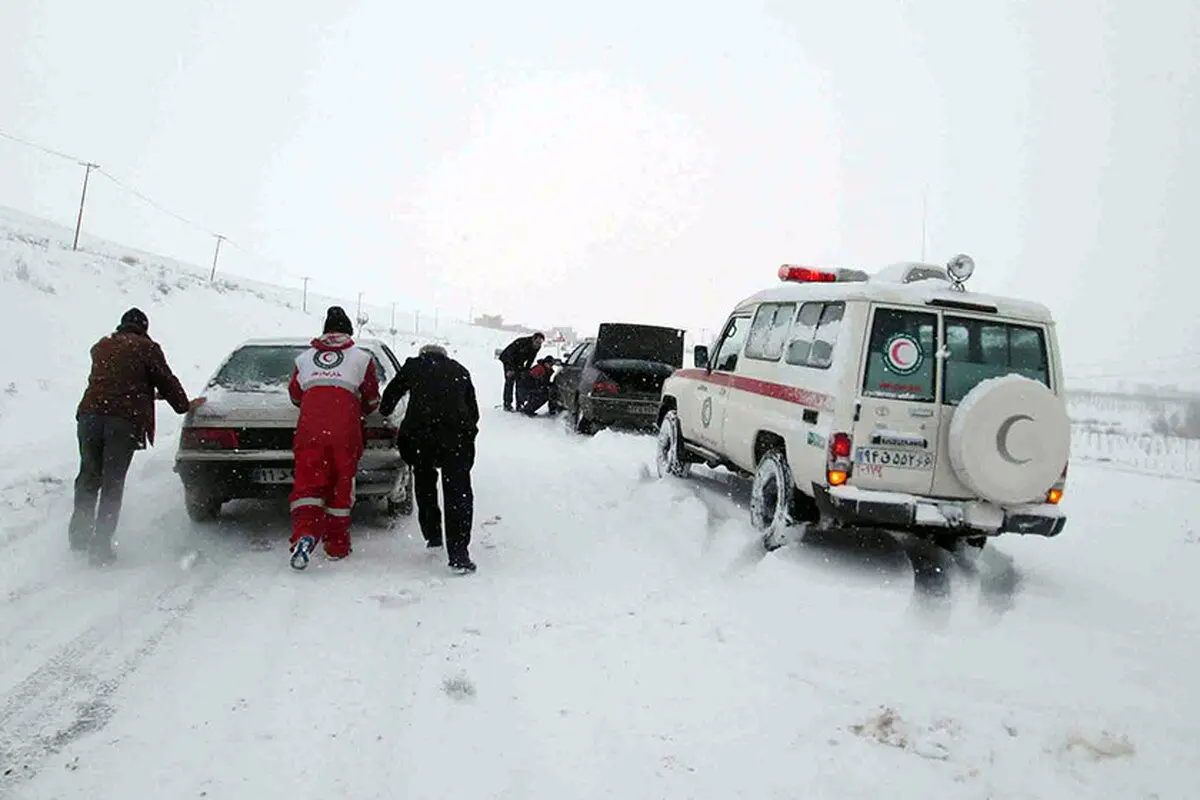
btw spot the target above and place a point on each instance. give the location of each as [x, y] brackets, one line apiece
[902, 459]
[272, 475]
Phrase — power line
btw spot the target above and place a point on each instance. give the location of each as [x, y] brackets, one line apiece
[153, 204]
[43, 148]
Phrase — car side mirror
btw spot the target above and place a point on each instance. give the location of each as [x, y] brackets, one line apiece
[700, 357]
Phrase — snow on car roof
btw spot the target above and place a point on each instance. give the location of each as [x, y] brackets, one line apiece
[299, 341]
[886, 286]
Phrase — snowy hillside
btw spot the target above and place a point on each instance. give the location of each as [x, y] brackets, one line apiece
[625, 637]
[60, 302]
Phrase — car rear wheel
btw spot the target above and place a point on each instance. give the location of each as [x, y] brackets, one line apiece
[400, 504]
[583, 425]
[201, 507]
[772, 495]
[671, 459]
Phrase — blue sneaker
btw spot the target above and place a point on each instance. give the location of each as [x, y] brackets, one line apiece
[301, 551]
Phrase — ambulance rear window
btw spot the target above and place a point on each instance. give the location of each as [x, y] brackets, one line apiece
[981, 349]
[900, 361]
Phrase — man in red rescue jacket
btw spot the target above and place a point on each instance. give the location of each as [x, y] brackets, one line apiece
[335, 386]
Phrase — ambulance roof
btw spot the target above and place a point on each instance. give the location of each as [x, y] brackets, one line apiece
[888, 286]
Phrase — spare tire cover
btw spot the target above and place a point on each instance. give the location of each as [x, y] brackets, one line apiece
[1010, 440]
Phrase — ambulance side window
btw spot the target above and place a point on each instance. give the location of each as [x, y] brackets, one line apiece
[769, 332]
[815, 335]
[731, 344]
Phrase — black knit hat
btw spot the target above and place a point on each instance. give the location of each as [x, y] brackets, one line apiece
[135, 320]
[336, 321]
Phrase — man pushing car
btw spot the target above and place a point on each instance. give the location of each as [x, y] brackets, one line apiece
[335, 386]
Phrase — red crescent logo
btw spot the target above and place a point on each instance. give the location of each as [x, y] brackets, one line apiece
[902, 354]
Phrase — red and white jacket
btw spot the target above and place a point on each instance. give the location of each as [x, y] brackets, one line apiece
[335, 386]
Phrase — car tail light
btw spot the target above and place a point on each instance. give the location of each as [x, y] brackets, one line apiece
[839, 467]
[604, 386]
[209, 439]
[380, 437]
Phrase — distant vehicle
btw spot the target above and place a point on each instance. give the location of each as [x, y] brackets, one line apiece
[616, 378]
[238, 444]
[895, 400]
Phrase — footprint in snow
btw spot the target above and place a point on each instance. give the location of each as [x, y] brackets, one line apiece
[400, 599]
[459, 688]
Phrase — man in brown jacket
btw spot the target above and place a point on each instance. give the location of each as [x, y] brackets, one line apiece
[114, 419]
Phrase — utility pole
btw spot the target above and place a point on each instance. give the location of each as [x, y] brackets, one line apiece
[417, 322]
[437, 312]
[304, 302]
[358, 314]
[213, 275]
[88, 167]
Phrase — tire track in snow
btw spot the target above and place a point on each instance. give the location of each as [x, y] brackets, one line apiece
[69, 695]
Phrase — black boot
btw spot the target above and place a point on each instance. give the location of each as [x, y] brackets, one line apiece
[462, 563]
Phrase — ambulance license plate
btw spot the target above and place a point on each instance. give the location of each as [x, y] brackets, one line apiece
[902, 459]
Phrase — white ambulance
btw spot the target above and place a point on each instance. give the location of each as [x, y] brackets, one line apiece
[894, 400]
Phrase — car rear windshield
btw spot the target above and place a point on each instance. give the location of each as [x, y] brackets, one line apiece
[981, 349]
[258, 366]
[640, 343]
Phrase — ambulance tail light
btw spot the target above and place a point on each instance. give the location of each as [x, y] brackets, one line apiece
[209, 439]
[839, 466]
[1055, 495]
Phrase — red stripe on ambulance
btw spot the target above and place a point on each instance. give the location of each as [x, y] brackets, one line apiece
[776, 391]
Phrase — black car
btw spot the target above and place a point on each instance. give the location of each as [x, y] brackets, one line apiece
[616, 378]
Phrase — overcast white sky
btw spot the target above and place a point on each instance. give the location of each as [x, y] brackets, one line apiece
[633, 160]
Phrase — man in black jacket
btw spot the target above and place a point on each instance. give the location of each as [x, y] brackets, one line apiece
[438, 433]
[517, 358]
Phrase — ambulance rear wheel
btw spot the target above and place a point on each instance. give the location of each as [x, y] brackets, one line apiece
[772, 496]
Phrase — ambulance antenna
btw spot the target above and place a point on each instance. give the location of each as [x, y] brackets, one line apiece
[924, 220]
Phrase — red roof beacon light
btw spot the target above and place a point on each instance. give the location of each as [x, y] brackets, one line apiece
[791, 272]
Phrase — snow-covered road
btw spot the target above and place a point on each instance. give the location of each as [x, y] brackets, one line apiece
[624, 637]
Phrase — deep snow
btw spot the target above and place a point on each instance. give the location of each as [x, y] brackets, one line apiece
[624, 637]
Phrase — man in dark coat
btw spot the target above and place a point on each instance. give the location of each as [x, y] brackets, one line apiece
[438, 433]
[517, 358]
[114, 419]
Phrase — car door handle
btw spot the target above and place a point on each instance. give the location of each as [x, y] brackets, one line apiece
[702, 388]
